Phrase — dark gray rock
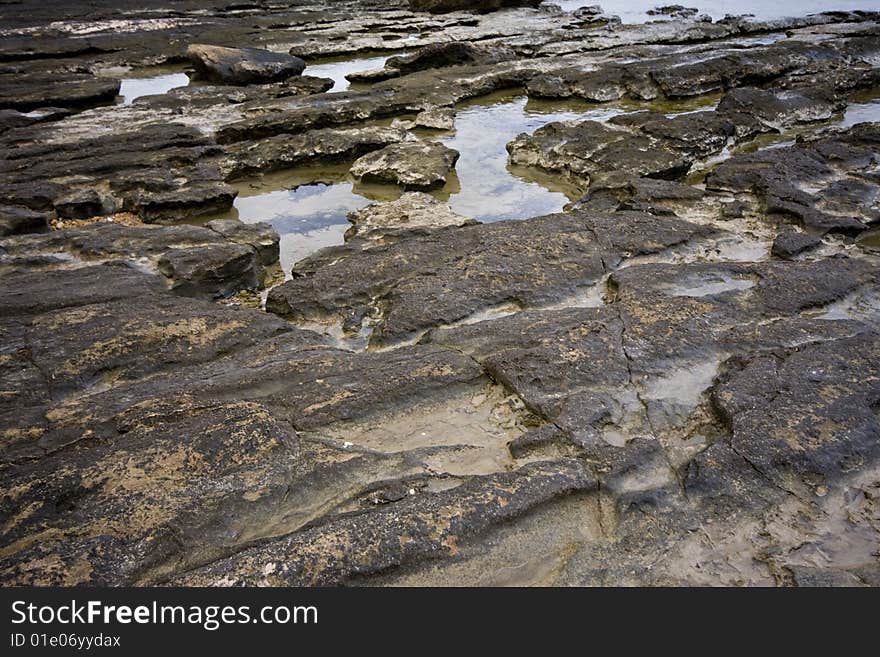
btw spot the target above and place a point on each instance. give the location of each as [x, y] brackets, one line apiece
[417, 283]
[15, 220]
[805, 417]
[781, 177]
[161, 171]
[443, 6]
[212, 261]
[67, 90]
[783, 108]
[14, 119]
[242, 66]
[641, 144]
[673, 11]
[261, 237]
[214, 271]
[433, 528]
[308, 148]
[448, 54]
[790, 243]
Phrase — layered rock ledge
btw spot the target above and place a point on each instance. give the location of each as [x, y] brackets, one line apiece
[672, 378]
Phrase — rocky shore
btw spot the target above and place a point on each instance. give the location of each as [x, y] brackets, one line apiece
[671, 378]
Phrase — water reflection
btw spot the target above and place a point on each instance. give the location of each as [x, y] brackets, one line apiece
[308, 206]
[490, 190]
[337, 68]
[135, 87]
[861, 113]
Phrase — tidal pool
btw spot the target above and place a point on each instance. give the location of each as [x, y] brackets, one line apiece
[308, 206]
[860, 113]
[149, 82]
[338, 67]
[489, 189]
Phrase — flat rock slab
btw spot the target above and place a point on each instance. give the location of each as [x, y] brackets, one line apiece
[212, 261]
[242, 66]
[411, 165]
[15, 220]
[640, 143]
[313, 147]
[627, 364]
[70, 90]
[436, 118]
[442, 6]
[805, 417]
[425, 281]
[790, 244]
[417, 529]
[411, 210]
[160, 171]
[825, 184]
[440, 55]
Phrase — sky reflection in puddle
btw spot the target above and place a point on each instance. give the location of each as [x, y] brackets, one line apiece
[336, 70]
[136, 87]
[308, 206]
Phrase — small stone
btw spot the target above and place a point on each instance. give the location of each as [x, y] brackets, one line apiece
[789, 244]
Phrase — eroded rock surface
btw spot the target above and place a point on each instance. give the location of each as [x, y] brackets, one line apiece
[212, 261]
[411, 210]
[441, 6]
[412, 165]
[674, 379]
[242, 66]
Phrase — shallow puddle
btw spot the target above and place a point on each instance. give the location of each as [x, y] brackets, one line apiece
[337, 68]
[710, 285]
[490, 190]
[870, 239]
[150, 82]
[861, 113]
[465, 432]
[308, 206]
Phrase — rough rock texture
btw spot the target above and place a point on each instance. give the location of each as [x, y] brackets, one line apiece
[824, 184]
[441, 6]
[314, 146]
[412, 165]
[242, 66]
[437, 118]
[663, 146]
[214, 261]
[448, 54]
[789, 244]
[671, 380]
[394, 537]
[158, 171]
[21, 220]
[446, 276]
[412, 210]
[35, 90]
